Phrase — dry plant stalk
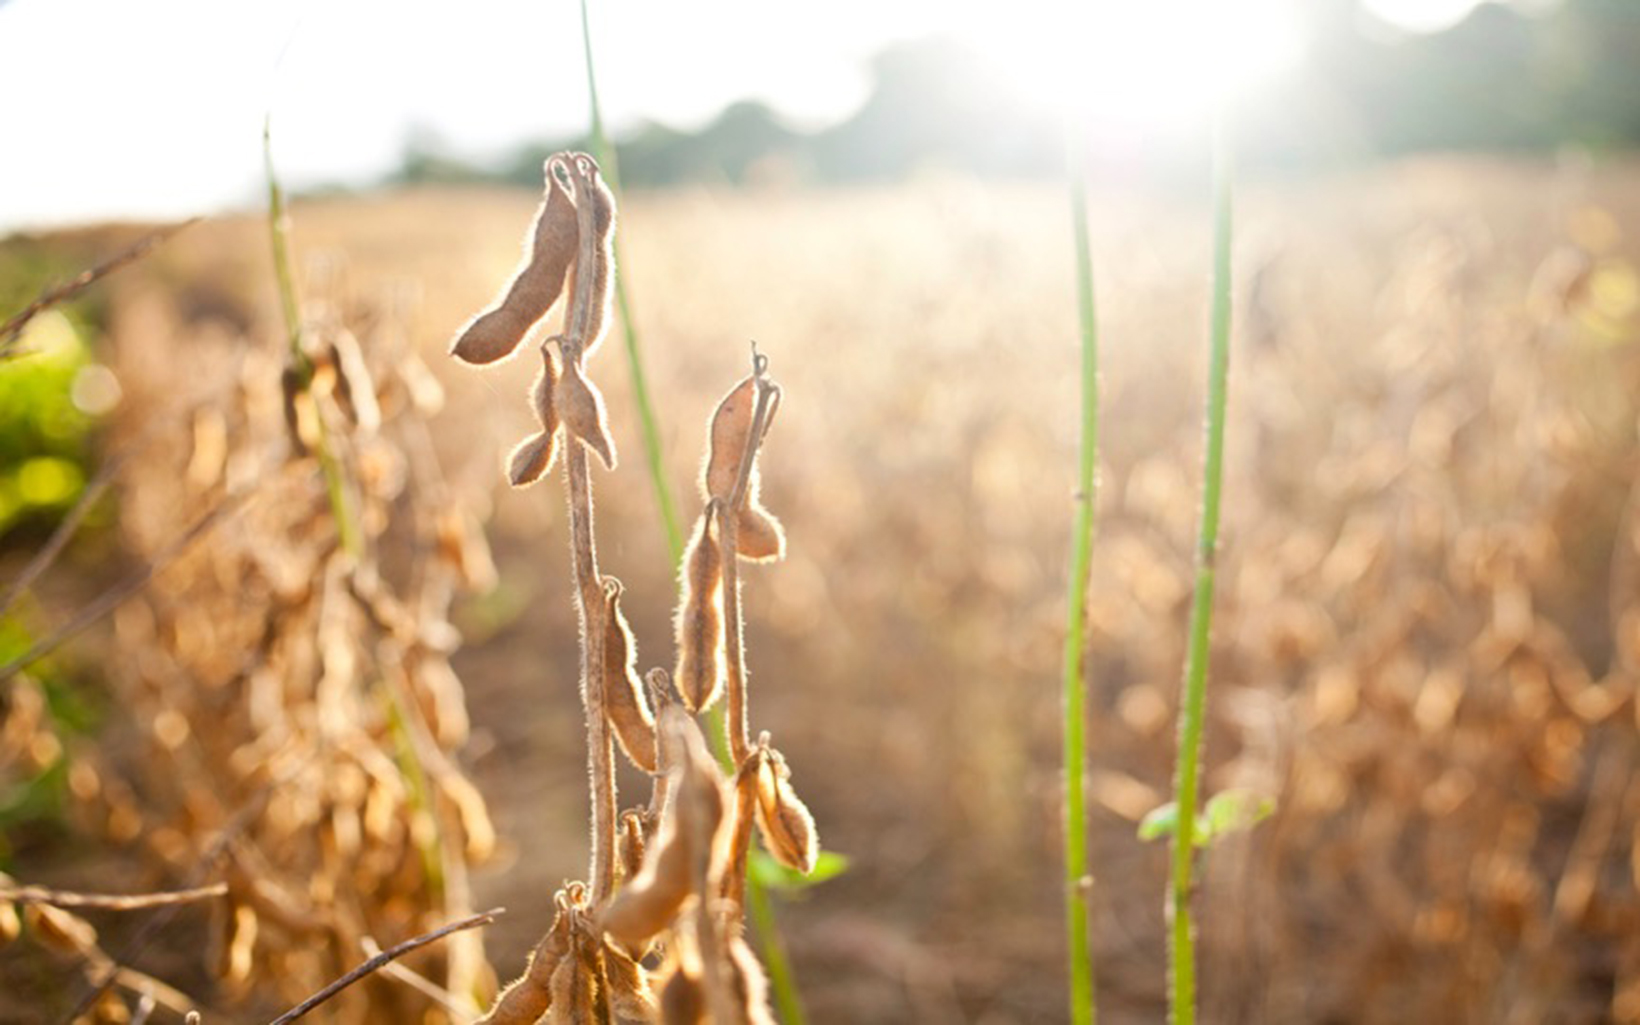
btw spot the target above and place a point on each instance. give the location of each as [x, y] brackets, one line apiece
[667, 877]
[298, 758]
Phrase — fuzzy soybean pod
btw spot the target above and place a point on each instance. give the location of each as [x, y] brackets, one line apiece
[581, 408]
[624, 700]
[631, 998]
[528, 997]
[603, 264]
[496, 332]
[534, 456]
[683, 999]
[687, 845]
[787, 827]
[700, 671]
[759, 536]
[575, 985]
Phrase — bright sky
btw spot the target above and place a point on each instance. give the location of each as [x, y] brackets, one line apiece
[153, 108]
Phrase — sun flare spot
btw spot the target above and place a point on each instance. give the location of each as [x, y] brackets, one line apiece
[1125, 67]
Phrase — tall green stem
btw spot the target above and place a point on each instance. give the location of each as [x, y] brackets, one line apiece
[279, 232]
[1077, 887]
[1193, 705]
[782, 982]
[640, 386]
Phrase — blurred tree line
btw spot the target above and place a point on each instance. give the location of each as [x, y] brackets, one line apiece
[1529, 77]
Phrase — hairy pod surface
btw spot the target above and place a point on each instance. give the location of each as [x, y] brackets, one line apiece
[633, 840]
[631, 999]
[603, 264]
[575, 986]
[729, 434]
[624, 700]
[751, 985]
[646, 906]
[686, 846]
[787, 827]
[758, 535]
[529, 996]
[532, 458]
[497, 332]
[683, 999]
[581, 409]
[700, 669]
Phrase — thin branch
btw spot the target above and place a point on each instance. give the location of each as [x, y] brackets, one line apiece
[108, 901]
[12, 329]
[420, 983]
[117, 595]
[589, 588]
[391, 954]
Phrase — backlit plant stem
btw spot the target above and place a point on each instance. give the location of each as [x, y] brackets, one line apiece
[589, 585]
[1077, 885]
[279, 233]
[782, 984]
[1193, 705]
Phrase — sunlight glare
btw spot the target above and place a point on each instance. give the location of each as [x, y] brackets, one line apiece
[1141, 66]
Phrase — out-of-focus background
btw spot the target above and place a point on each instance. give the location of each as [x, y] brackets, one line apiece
[1427, 636]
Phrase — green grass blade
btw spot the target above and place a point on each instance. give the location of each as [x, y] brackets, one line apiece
[341, 509]
[1075, 685]
[1193, 705]
[605, 153]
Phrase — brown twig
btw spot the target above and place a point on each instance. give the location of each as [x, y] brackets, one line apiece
[420, 983]
[109, 902]
[12, 329]
[768, 396]
[117, 595]
[391, 954]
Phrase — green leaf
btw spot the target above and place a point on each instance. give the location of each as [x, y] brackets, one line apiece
[1233, 811]
[775, 876]
[1159, 822]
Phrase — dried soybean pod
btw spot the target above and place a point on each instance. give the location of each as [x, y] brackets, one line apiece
[529, 996]
[581, 408]
[630, 997]
[541, 392]
[355, 389]
[291, 386]
[534, 456]
[686, 846]
[574, 988]
[728, 435]
[751, 985]
[649, 902]
[630, 846]
[747, 784]
[683, 999]
[624, 701]
[787, 827]
[758, 535]
[603, 262]
[531, 460]
[496, 332]
[699, 675]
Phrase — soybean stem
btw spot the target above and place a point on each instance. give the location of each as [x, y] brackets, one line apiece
[1193, 705]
